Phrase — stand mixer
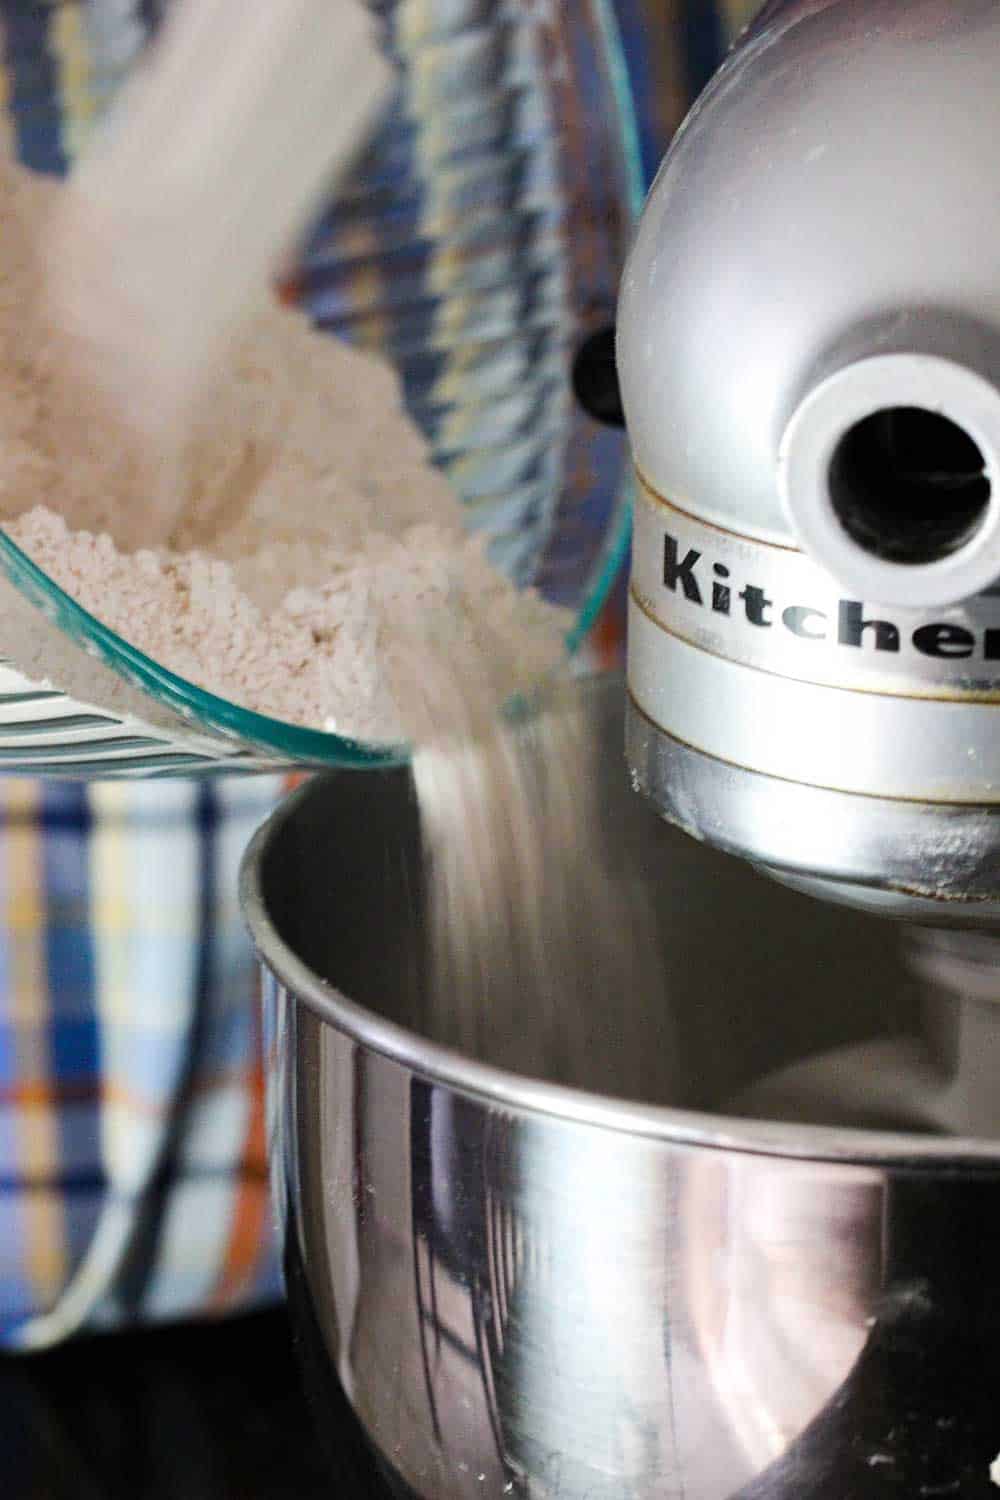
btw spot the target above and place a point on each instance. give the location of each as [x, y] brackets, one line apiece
[780, 1283]
[809, 358]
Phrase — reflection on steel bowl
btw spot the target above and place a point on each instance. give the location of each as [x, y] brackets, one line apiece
[527, 1290]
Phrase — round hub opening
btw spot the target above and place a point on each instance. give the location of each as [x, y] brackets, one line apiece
[908, 485]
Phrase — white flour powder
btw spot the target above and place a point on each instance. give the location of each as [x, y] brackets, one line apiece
[320, 573]
[314, 530]
[543, 954]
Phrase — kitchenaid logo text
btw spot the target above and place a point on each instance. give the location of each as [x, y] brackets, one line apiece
[710, 586]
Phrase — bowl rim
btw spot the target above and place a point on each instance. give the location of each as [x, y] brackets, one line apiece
[517, 1094]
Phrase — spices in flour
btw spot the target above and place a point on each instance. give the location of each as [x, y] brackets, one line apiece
[313, 536]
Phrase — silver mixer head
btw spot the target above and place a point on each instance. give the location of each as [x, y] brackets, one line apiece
[809, 358]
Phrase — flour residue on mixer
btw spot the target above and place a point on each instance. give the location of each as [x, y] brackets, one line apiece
[313, 525]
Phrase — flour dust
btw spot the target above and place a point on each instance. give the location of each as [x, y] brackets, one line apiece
[310, 519]
[318, 570]
[544, 956]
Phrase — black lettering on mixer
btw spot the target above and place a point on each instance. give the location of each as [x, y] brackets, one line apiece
[945, 640]
[682, 573]
[851, 627]
[721, 592]
[757, 605]
[845, 624]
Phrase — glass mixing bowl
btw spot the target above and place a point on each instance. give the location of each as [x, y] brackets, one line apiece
[478, 246]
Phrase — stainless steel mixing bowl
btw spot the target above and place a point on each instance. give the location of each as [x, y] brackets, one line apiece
[527, 1290]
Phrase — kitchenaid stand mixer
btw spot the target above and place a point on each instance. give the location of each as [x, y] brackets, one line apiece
[809, 356]
[780, 1283]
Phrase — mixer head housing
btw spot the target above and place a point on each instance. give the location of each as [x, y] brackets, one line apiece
[809, 357]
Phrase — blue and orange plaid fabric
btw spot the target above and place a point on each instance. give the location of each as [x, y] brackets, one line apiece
[133, 1182]
[133, 1179]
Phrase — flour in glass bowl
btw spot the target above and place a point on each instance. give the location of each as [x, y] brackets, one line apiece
[314, 537]
[320, 573]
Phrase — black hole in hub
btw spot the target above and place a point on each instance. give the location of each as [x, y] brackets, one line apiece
[909, 485]
[595, 379]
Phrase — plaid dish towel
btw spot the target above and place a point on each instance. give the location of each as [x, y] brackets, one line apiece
[133, 1181]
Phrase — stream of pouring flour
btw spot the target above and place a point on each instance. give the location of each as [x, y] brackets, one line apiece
[245, 549]
[543, 941]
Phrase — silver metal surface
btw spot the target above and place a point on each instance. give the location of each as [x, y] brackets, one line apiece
[918, 860]
[839, 512]
[526, 1290]
[815, 251]
[828, 198]
[864, 742]
[944, 1080]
